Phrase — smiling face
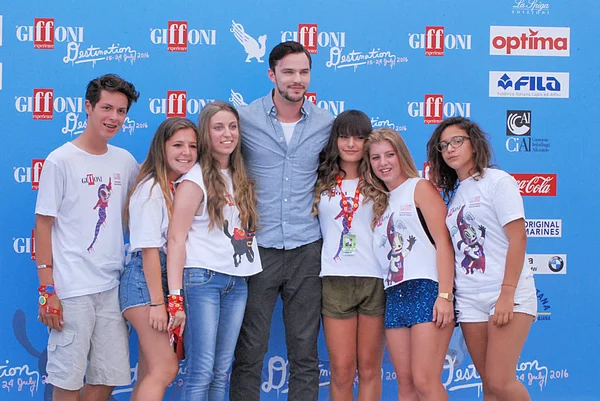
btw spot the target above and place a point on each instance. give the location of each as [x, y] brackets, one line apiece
[385, 164]
[181, 152]
[224, 136]
[291, 77]
[459, 158]
[106, 118]
[351, 148]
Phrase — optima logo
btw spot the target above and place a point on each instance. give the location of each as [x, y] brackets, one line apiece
[177, 36]
[44, 33]
[529, 41]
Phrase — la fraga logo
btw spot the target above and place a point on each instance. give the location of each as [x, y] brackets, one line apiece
[433, 109]
[30, 174]
[178, 36]
[310, 37]
[44, 33]
[435, 41]
[529, 41]
[25, 245]
[536, 184]
[43, 104]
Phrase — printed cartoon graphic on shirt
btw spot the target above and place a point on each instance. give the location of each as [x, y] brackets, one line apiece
[345, 228]
[241, 241]
[104, 192]
[398, 252]
[470, 244]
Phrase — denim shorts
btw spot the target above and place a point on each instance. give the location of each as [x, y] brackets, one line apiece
[133, 290]
[410, 302]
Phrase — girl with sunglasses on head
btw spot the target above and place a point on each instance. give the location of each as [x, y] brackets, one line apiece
[495, 296]
[353, 301]
[413, 248]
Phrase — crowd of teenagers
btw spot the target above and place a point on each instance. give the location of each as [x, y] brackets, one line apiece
[277, 199]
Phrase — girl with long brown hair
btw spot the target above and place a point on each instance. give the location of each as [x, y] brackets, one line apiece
[173, 152]
[496, 299]
[211, 253]
[353, 301]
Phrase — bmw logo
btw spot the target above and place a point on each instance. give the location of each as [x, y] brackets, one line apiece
[556, 264]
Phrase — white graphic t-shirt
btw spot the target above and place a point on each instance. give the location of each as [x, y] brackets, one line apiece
[148, 217]
[476, 216]
[86, 194]
[347, 251]
[232, 250]
[401, 245]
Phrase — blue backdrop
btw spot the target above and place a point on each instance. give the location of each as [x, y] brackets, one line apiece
[525, 69]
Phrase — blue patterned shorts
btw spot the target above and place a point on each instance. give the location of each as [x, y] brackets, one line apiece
[133, 290]
[409, 303]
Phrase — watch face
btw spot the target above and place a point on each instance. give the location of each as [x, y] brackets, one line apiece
[42, 300]
[50, 289]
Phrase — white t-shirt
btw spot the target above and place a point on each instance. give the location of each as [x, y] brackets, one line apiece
[476, 216]
[288, 130]
[232, 250]
[402, 247]
[148, 217]
[337, 259]
[86, 194]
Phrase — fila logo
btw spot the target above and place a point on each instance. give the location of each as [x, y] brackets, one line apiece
[176, 104]
[177, 36]
[43, 33]
[435, 41]
[25, 245]
[433, 109]
[310, 37]
[43, 104]
[30, 174]
[334, 106]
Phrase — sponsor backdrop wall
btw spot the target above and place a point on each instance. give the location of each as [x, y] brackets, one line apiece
[526, 70]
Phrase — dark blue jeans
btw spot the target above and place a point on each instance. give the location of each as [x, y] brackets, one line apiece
[294, 275]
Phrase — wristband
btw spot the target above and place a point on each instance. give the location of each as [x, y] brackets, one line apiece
[154, 305]
[52, 310]
[46, 291]
[44, 267]
[176, 292]
[175, 304]
[509, 285]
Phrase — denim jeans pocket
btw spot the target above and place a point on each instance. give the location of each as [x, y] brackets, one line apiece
[197, 276]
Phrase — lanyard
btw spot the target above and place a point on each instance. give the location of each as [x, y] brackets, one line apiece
[349, 213]
[172, 187]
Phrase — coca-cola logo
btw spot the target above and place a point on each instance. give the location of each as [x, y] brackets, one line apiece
[536, 184]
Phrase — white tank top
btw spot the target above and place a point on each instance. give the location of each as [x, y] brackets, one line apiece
[403, 249]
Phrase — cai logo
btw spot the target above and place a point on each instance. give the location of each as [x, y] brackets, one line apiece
[310, 37]
[43, 104]
[435, 41]
[518, 123]
[22, 245]
[334, 106]
[546, 263]
[536, 184]
[544, 228]
[30, 174]
[434, 109]
[254, 48]
[518, 132]
[529, 84]
[44, 33]
[178, 36]
[177, 104]
[529, 41]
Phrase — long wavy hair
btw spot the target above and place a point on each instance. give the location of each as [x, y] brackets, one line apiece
[405, 160]
[444, 176]
[156, 167]
[243, 188]
[349, 123]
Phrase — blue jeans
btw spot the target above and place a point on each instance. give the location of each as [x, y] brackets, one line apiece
[214, 306]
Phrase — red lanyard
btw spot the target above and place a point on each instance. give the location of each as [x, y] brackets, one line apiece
[349, 213]
[172, 187]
